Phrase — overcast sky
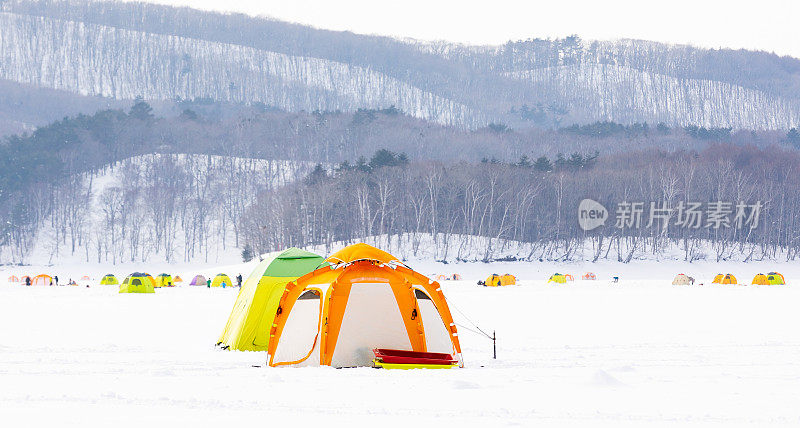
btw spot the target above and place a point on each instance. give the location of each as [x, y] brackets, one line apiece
[770, 25]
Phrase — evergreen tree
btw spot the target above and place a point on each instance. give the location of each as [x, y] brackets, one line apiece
[793, 137]
[247, 253]
[524, 162]
[317, 175]
[141, 110]
[543, 164]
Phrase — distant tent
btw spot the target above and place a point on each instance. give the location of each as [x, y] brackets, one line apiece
[177, 279]
[248, 325]
[681, 279]
[760, 279]
[508, 279]
[13, 278]
[163, 280]
[729, 279]
[220, 279]
[439, 278]
[109, 279]
[588, 276]
[775, 278]
[718, 279]
[199, 280]
[569, 277]
[137, 283]
[86, 278]
[558, 278]
[493, 280]
[151, 279]
[42, 280]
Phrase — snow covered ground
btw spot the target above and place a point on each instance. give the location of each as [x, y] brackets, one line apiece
[588, 353]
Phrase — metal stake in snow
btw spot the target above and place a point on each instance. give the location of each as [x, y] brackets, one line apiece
[494, 344]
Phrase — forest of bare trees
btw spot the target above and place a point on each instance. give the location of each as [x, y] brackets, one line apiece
[156, 207]
[494, 205]
[123, 186]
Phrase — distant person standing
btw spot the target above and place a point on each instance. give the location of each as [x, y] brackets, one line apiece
[28, 281]
[56, 279]
[208, 283]
[239, 280]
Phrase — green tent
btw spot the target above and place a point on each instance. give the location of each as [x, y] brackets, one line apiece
[248, 326]
[138, 283]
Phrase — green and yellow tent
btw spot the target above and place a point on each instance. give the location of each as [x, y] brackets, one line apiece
[248, 326]
[137, 283]
[558, 278]
[164, 280]
[774, 278]
[221, 278]
[109, 279]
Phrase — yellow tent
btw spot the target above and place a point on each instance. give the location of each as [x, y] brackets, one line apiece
[718, 279]
[248, 325]
[137, 283]
[367, 300]
[775, 278]
[729, 279]
[109, 280]
[177, 279]
[760, 279]
[558, 278]
[508, 279]
[493, 280]
[163, 280]
[221, 280]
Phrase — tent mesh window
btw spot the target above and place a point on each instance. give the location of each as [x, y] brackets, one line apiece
[309, 295]
[420, 295]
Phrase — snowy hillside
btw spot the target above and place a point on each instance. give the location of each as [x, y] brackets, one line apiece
[627, 95]
[124, 50]
[117, 63]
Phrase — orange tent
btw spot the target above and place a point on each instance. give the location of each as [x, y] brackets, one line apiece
[588, 276]
[508, 279]
[13, 278]
[177, 279]
[569, 277]
[366, 299]
[42, 280]
[86, 278]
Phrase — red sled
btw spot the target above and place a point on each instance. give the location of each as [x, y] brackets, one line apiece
[399, 359]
